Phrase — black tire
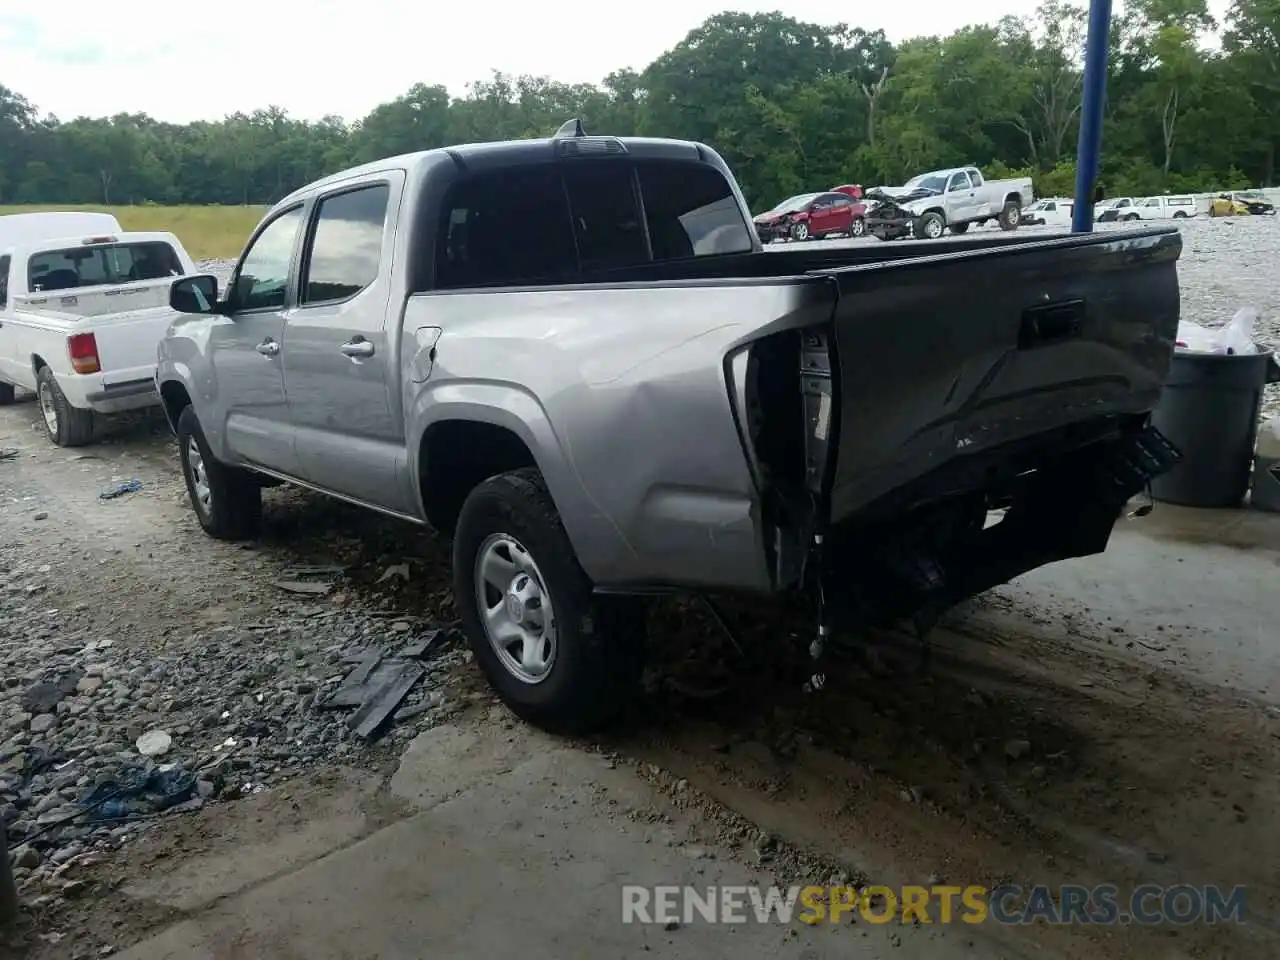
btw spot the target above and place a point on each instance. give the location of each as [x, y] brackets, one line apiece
[800, 232]
[959, 228]
[234, 507]
[1129, 216]
[858, 228]
[598, 656]
[930, 221]
[6, 394]
[1010, 215]
[1179, 215]
[69, 426]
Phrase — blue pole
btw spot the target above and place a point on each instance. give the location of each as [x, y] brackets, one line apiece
[1095, 98]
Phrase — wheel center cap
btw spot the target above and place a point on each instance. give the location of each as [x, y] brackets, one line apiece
[515, 607]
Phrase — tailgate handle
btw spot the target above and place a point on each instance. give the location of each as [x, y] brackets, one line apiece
[1051, 323]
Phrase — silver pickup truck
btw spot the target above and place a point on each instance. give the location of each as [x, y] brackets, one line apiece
[573, 356]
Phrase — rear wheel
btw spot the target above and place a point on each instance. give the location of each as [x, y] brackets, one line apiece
[6, 394]
[1010, 215]
[1179, 215]
[858, 227]
[227, 501]
[558, 656]
[930, 226]
[67, 426]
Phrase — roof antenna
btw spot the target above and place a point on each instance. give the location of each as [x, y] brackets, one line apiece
[571, 128]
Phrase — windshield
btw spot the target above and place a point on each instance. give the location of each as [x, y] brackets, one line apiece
[101, 264]
[1251, 195]
[937, 182]
[794, 203]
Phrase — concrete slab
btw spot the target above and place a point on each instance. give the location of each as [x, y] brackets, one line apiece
[528, 862]
[1196, 584]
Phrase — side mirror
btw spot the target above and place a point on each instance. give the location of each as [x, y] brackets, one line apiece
[198, 294]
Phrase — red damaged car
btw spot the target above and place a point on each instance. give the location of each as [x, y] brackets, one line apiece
[811, 216]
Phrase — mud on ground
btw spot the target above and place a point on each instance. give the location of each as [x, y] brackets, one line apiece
[1034, 749]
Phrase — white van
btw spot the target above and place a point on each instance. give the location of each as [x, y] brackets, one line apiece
[1165, 208]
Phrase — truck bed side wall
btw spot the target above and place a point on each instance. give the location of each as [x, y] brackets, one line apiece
[622, 395]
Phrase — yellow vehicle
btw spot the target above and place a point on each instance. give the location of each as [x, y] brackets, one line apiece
[1241, 203]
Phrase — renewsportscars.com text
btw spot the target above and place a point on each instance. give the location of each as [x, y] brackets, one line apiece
[1148, 904]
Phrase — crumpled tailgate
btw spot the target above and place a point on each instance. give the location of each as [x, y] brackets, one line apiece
[951, 355]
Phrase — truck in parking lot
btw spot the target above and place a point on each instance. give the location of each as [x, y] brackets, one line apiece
[620, 404]
[81, 315]
[955, 199]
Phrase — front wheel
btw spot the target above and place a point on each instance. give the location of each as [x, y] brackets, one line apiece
[930, 226]
[227, 501]
[67, 426]
[799, 231]
[1129, 217]
[1010, 215]
[559, 657]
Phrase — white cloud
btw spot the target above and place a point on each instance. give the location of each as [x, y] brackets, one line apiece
[318, 57]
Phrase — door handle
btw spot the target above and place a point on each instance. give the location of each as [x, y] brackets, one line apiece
[357, 347]
[268, 347]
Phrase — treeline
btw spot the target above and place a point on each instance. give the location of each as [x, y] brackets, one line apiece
[814, 106]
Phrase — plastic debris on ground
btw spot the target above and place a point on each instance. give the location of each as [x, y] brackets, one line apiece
[138, 791]
[378, 683]
[1233, 339]
[120, 489]
[300, 579]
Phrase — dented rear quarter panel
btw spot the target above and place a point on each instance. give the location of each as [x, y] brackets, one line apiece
[622, 393]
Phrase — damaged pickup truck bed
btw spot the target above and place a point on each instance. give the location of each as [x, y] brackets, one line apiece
[628, 395]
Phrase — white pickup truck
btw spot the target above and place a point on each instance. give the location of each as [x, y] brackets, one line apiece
[931, 203]
[83, 306]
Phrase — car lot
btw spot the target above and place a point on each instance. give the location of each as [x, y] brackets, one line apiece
[1115, 719]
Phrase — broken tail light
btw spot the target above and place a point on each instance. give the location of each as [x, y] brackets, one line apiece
[82, 348]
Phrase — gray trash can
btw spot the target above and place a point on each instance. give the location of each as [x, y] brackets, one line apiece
[1209, 411]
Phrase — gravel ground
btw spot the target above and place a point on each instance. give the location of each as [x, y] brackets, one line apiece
[122, 658]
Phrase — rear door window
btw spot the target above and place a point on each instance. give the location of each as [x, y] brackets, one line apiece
[690, 211]
[99, 264]
[4, 281]
[346, 244]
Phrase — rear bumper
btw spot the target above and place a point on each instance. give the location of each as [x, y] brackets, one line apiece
[113, 392]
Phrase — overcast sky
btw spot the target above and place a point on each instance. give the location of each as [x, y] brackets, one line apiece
[317, 57]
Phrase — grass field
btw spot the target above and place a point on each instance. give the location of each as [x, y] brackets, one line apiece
[207, 232]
